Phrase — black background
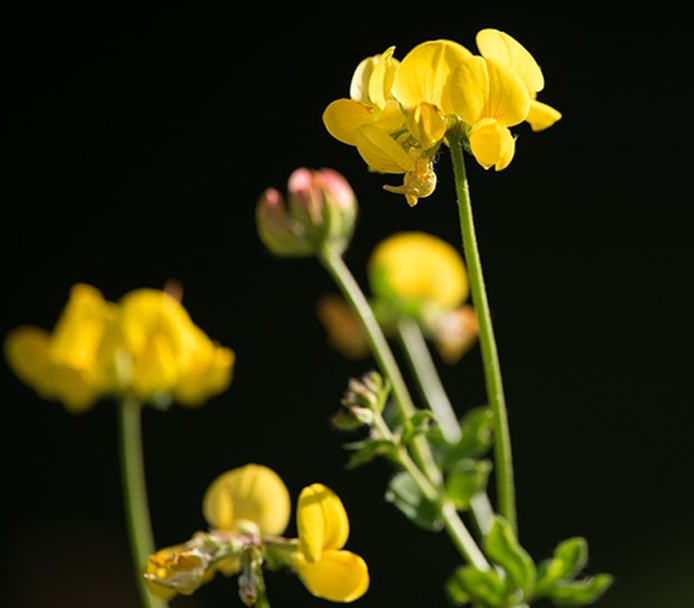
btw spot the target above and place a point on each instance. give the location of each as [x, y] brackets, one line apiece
[137, 143]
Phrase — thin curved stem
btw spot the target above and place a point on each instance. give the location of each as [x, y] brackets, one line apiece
[490, 358]
[135, 495]
[380, 348]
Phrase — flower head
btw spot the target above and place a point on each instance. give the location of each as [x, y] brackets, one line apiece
[144, 346]
[400, 112]
[248, 510]
[320, 212]
[153, 348]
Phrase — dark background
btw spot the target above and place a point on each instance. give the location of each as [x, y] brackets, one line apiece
[136, 145]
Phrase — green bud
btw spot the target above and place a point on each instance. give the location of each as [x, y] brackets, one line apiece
[320, 212]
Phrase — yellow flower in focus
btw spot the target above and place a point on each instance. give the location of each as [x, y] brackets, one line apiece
[489, 97]
[250, 495]
[417, 271]
[63, 365]
[153, 348]
[507, 50]
[177, 570]
[325, 568]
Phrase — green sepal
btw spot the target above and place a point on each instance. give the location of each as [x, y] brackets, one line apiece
[483, 587]
[568, 594]
[404, 493]
[502, 548]
[570, 557]
[465, 479]
[367, 450]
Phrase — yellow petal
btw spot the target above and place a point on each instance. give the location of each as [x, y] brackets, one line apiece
[484, 88]
[418, 268]
[155, 369]
[494, 44]
[321, 521]
[26, 350]
[381, 79]
[542, 116]
[340, 576]
[251, 493]
[381, 152]
[208, 375]
[423, 74]
[428, 125]
[492, 144]
[342, 117]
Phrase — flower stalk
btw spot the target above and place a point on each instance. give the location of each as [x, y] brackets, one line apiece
[135, 494]
[336, 267]
[490, 358]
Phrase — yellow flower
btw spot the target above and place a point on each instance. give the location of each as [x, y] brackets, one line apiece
[489, 97]
[153, 348]
[248, 509]
[416, 271]
[506, 49]
[252, 494]
[63, 365]
[325, 568]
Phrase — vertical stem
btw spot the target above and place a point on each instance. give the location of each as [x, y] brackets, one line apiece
[350, 289]
[490, 358]
[135, 494]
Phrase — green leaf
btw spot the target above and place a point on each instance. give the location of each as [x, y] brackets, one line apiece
[406, 496]
[476, 438]
[567, 594]
[465, 479]
[418, 423]
[366, 451]
[483, 586]
[569, 559]
[504, 550]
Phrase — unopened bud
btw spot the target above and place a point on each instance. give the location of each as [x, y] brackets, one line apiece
[320, 211]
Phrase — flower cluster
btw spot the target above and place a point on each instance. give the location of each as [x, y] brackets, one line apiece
[145, 346]
[399, 112]
[248, 509]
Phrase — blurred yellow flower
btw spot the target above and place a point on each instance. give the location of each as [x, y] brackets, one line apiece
[63, 365]
[153, 348]
[416, 270]
[146, 345]
[325, 568]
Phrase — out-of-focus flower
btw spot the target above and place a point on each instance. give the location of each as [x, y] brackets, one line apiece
[63, 365]
[415, 271]
[320, 212]
[144, 346]
[345, 332]
[153, 348]
[248, 509]
[326, 569]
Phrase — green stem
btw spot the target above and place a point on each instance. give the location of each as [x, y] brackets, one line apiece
[352, 292]
[434, 394]
[453, 524]
[135, 494]
[424, 372]
[490, 358]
